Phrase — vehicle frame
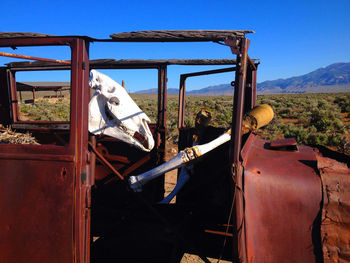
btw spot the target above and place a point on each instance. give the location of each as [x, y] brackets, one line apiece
[48, 192]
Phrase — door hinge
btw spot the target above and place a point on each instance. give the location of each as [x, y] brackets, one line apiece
[88, 198]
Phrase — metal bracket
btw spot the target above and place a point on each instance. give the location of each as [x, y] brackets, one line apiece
[234, 44]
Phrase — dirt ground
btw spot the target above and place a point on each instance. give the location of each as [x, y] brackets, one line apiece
[170, 177]
[188, 258]
[346, 117]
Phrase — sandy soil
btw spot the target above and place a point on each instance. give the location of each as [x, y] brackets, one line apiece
[346, 117]
[170, 177]
[289, 120]
[188, 258]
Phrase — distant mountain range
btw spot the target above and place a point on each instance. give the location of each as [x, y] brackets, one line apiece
[333, 78]
[155, 91]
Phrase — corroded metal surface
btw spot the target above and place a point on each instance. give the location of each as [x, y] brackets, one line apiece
[283, 143]
[21, 34]
[74, 159]
[44, 189]
[282, 198]
[3, 54]
[97, 63]
[179, 35]
[5, 116]
[335, 232]
[36, 210]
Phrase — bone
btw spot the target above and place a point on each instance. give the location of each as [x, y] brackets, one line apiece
[182, 158]
[203, 118]
[183, 178]
[112, 112]
[136, 182]
[261, 116]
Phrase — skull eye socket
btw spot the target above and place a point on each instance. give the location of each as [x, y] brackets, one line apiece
[114, 101]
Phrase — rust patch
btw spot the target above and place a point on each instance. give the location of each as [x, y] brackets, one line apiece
[283, 143]
[256, 171]
[335, 234]
[281, 205]
[63, 172]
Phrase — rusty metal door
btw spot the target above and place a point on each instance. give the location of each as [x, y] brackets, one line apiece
[44, 189]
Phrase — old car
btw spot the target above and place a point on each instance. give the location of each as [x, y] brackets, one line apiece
[67, 198]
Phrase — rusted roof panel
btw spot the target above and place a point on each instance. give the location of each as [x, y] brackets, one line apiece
[178, 61]
[42, 85]
[95, 63]
[39, 84]
[21, 34]
[335, 234]
[36, 64]
[178, 35]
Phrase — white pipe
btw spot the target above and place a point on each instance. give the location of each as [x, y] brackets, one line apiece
[183, 177]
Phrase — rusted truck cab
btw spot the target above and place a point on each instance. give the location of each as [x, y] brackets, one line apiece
[45, 188]
[66, 199]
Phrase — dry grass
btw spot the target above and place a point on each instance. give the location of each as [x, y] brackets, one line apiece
[11, 137]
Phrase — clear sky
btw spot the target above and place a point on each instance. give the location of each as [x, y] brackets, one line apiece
[292, 37]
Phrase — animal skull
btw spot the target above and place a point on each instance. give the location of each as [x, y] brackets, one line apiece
[113, 112]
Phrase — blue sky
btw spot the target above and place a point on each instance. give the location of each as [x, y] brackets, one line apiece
[292, 37]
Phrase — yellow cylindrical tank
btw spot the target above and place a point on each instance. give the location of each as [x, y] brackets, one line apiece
[258, 117]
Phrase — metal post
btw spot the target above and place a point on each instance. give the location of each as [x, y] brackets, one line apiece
[14, 100]
[5, 112]
[33, 95]
[248, 100]
[161, 128]
[80, 96]
[34, 58]
[181, 121]
[254, 85]
[162, 97]
[236, 142]
[238, 101]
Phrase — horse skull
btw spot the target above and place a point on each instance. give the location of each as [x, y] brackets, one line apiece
[113, 112]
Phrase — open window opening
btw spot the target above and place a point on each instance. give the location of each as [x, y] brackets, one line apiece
[45, 99]
[134, 114]
[215, 100]
[36, 95]
[113, 203]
